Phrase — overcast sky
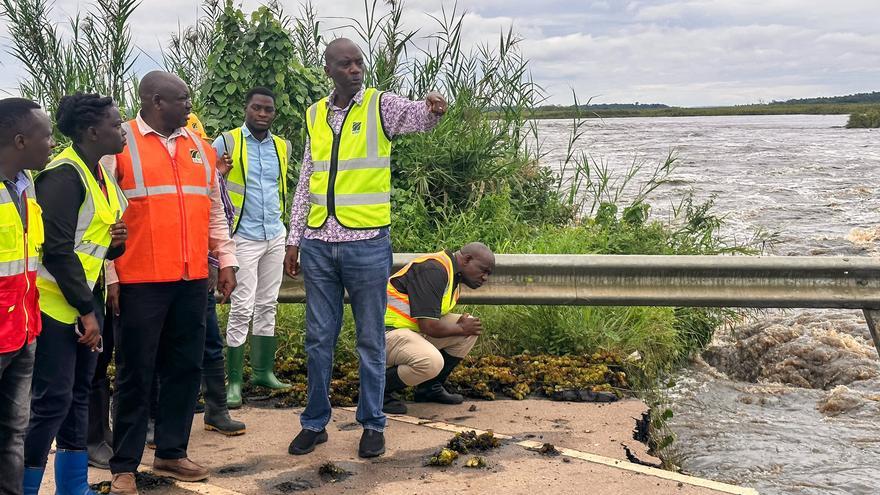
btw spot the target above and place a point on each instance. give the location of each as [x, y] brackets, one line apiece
[679, 52]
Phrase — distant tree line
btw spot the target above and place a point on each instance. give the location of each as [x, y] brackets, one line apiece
[872, 97]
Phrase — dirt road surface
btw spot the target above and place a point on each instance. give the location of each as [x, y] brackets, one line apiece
[590, 437]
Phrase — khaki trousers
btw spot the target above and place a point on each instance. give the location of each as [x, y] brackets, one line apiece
[417, 356]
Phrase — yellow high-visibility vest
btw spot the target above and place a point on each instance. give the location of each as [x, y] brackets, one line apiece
[397, 314]
[351, 177]
[21, 239]
[236, 181]
[92, 238]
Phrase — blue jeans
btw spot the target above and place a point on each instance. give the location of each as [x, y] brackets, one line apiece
[362, 268]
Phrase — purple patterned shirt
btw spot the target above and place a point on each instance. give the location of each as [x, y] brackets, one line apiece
[400, 116]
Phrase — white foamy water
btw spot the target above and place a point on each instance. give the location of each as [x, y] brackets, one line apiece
[786, 402]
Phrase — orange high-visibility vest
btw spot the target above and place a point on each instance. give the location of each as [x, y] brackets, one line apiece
[20, 245]
[169, 207]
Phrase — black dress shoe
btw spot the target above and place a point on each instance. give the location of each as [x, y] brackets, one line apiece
[306, 440]
[372, 443]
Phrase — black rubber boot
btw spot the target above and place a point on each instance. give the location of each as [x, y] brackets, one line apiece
[99, 436]
[216, 413]
[433, 391]
[393, 383]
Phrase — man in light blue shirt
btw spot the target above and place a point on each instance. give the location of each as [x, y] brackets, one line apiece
[257, 186]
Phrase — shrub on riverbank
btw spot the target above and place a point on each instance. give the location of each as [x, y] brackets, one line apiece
[869, 119]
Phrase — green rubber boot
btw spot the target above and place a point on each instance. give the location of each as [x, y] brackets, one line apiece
[234, 365]
[263, 362]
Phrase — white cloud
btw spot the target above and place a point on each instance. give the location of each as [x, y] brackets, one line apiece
[686, 52]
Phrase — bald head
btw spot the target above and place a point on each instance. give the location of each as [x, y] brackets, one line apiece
[344, 64]
[479, 250]
[475, 263]
[165, 101]
[159, 82]
[337, 48]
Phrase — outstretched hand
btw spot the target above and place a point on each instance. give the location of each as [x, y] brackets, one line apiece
[436, 103]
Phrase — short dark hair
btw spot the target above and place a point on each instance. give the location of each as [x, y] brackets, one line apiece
[258, 90]
[79, 111]
[13, 111]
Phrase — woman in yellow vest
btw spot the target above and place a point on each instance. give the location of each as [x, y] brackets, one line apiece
[82, 206]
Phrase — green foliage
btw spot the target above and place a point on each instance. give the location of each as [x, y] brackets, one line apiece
[476, 176]
[869, 119]
[256, 51]
[96, 56]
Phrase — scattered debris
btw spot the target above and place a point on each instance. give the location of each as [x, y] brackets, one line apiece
[297, 485]
[331, 473]
[635, 460]
[596, 378]
[583, 396]
[443, 457]
[472, 408]
[466, 441]
[476, 462]
[641, 433]
[236, 468]
[547, 449]
[147, 481]
[101, 488]
[566, 459]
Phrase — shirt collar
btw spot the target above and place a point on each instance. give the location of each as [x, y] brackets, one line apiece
[20, 182]
[357, 98]
[145, 129]
[246, 132]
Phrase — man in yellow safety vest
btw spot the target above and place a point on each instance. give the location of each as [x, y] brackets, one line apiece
[424, 339]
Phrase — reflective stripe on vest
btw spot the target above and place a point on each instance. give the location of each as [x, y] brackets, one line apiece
[97, 214]
[351, 171]
[140, 190]
[397, 313]
[236, 181]
[19, 259]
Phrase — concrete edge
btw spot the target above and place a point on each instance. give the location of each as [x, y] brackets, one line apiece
[584, 456]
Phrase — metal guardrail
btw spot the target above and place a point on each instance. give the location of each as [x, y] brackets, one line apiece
[696, 281]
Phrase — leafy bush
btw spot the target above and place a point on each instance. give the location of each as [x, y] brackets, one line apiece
[869, 119]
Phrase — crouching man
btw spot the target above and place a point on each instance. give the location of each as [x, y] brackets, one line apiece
[424, 340]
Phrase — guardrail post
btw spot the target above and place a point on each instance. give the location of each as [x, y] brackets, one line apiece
[872, 316]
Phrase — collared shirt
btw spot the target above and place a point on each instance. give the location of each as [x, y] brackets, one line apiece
[219, 240]
[261, 210]
[19, 185]
[399, 116]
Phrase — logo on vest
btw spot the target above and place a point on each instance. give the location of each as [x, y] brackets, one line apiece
[355, 128]
[196, 156]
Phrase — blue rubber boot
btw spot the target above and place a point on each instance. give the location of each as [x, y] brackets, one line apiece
[72, 472]
[32, 479]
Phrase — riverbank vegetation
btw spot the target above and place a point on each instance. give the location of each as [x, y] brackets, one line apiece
[480, 175]
[869, 119]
